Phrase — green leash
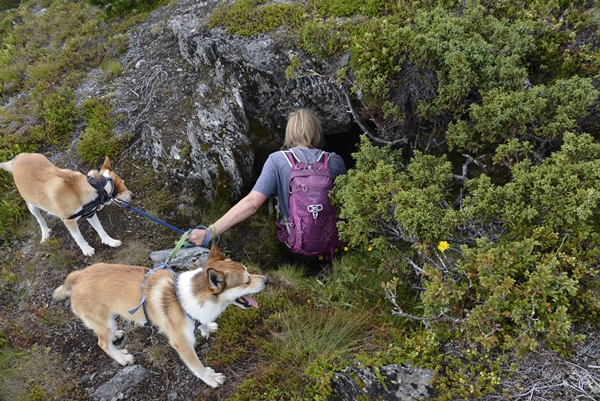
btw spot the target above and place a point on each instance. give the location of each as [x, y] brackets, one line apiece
[182, 242]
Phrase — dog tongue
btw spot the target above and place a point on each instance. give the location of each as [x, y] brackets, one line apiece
[250, 300]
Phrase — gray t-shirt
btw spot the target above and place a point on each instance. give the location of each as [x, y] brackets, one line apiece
[275, 176]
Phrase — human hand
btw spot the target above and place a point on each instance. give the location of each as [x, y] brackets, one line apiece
[197, 236]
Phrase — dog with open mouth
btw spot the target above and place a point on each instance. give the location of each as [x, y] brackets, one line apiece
[177, 303]
[67, 194]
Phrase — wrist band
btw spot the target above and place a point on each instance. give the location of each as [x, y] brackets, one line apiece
[213, 230]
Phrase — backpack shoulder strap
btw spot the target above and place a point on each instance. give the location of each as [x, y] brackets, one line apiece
[325, 156]
[289, 156]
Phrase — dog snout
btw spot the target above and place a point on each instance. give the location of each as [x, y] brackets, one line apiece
[265, 280]
[126, 196]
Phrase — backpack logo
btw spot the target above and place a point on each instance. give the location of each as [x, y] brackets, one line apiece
[313, 195]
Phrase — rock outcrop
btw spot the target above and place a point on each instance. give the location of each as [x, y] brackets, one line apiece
[397, 383]
[208, 107]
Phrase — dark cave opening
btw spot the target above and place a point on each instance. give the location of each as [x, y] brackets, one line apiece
[344, 144]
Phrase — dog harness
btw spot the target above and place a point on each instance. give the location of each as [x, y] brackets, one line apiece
[143, 302]
[90, 208]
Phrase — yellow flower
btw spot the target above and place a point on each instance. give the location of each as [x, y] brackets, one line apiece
[443, 245]
[370, 248]
[321, 257]
[346, 248]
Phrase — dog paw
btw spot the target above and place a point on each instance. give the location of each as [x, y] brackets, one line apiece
[112, 242]
[119, 334]
[213, 378]
[45, 236]
[124, 357]
[207, 329]
[88, 250]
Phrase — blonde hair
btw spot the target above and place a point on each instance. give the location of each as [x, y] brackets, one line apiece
[304, 129]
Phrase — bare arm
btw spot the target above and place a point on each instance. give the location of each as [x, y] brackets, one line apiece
[238, 213]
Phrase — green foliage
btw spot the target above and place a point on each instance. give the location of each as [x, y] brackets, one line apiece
[98, 139]
[347, 8]
[318, 340]
[271, 383]
[471, 376]
[561, 195]
[58, 113]
[290, 72]
[233, 335]
[305, 334]
[323, 38]
[118, 8]
[111, 69]
[12, 207]
[301, 341]
[381, 202]
[531, 287]
[353, 281]
[539, 113]
[378, 49]
[8, 4]
[251, 17]
[32, 374]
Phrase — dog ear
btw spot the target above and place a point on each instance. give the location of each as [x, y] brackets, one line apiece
[106, 165]
[216, 280]
[215, 254]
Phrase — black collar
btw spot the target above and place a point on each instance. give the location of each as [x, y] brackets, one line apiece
[90, 208]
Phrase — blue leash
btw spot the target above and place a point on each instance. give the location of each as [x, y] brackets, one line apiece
[128, 206]
[170, 227]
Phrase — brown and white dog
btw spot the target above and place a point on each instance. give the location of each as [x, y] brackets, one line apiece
[174, 302]
[66, 194]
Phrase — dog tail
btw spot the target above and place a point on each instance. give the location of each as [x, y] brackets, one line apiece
[62, 292]
[6, 166]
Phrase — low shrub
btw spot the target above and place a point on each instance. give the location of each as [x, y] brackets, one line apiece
[98, 139]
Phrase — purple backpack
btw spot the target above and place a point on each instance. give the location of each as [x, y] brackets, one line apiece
[311, 229]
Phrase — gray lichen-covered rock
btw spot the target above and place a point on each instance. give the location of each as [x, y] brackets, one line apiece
[185, 258]
[402, 383]
[125, 379]
[206, 106]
